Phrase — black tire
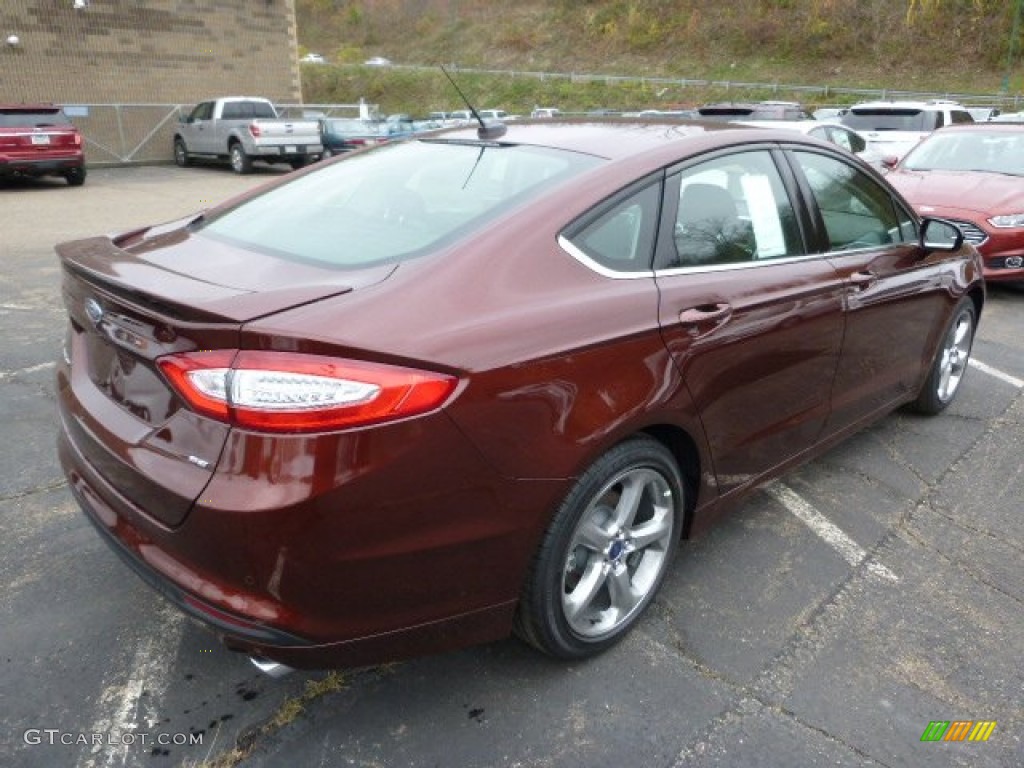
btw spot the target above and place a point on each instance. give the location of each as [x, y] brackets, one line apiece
[297, 163]
[327, 154]
[605, 553]
[241, 163]
[950, 364]
[75, 177]
[181, 158]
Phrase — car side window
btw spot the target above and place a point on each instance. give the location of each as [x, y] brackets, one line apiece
[734, 209]
[621, 238]
[857, 211]
[202, 111]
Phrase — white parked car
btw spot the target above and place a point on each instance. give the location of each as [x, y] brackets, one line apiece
[836, 133]
[892, 128]
[313, 58]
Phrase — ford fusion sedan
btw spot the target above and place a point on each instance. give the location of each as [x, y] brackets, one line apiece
[973, 175]
[424, 395]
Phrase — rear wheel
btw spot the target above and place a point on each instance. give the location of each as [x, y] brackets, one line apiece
[241, 163]
[950, 364]
[605, 553]
[75, 177]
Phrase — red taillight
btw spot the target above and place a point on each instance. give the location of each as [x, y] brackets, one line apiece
[254, 129]
[78, 139]
[292, 392]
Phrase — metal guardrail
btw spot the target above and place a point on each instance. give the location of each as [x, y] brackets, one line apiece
[823, 91]
[127, 134]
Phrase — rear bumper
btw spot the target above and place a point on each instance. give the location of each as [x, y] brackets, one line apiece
[368, 567]
[21, 166]
[287, 151]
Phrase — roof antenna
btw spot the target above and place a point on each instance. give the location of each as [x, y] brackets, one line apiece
[491, 130]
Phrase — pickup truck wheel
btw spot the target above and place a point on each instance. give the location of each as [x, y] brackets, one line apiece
[241, 163]
[181, 158]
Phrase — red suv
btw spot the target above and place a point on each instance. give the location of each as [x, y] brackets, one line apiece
[39, 140]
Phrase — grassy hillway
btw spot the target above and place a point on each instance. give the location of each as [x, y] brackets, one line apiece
[959, 46]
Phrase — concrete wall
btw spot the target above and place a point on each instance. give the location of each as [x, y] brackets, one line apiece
[131, 52]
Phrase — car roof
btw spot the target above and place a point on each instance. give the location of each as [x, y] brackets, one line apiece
[647, 143]
[922, 105]
[804, 126]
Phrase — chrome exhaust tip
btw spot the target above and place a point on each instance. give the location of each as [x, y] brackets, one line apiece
[270, 668]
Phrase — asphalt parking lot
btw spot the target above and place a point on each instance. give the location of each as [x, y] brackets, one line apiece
[828, 622]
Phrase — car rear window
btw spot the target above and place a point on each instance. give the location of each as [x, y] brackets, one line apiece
[244, 110]
[13, 118]
[889, 120]
[395, 203]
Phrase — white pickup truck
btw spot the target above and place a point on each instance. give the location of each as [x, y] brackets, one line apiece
[241, 129]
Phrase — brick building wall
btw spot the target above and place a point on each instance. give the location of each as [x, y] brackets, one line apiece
[131, 52]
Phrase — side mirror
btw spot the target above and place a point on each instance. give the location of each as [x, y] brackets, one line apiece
[940, 235]
[890, 161]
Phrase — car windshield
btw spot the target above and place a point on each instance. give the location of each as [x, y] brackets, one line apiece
[15, 118]
[395, 203]
[888, 120]
[969, 151]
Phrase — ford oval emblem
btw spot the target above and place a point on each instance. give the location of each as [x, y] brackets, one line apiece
[94, 311]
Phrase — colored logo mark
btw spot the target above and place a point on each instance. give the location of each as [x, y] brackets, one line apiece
[958, 730]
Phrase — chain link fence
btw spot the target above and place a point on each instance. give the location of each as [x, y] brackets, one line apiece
[127, 134]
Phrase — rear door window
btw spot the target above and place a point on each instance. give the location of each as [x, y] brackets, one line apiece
[732, 209]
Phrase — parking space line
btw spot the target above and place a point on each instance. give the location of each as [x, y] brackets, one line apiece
[996, 373]
[830, 533]
[30, 369]
[148, 675]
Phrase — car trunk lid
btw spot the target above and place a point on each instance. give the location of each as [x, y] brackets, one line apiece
[135, 298]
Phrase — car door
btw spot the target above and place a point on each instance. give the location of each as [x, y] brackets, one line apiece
[893, 294]
[753, 322]
[200, 129]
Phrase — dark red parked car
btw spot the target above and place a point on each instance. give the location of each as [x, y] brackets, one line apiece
[973, 175]
[419, 396]
[39, 140]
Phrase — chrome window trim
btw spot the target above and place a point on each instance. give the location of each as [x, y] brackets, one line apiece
[570, 248]
[574, 251]
[700, 269]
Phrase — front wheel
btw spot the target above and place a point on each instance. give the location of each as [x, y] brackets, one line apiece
[950, 365]
[241, 163]
[181, 158]
[605, 553]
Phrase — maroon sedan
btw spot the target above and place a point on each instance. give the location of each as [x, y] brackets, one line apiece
[973, 175]
[426, 394]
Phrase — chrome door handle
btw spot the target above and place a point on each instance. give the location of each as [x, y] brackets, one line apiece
[705, 313]
[859, 281]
